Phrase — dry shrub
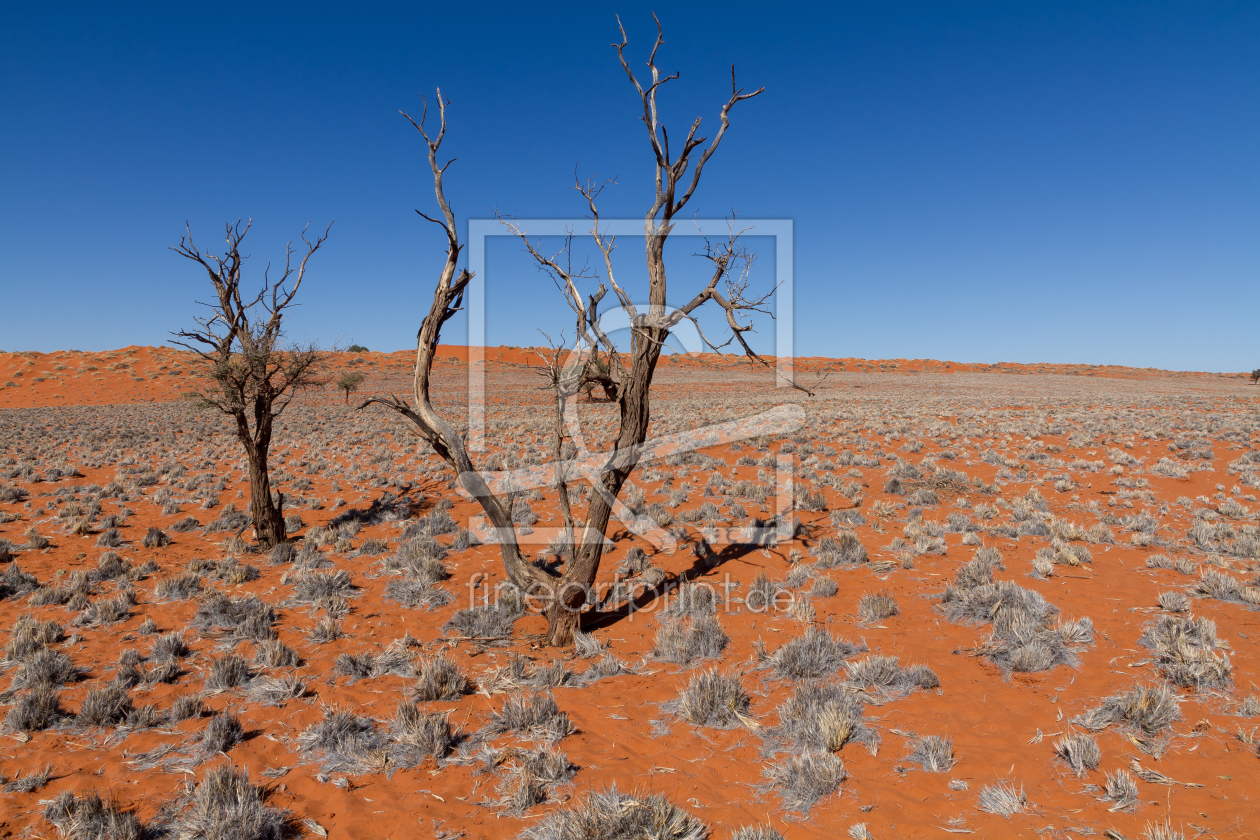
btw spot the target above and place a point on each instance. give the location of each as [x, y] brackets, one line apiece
[612, 814]
[712, 699]
[1150, 709]
[803, 779]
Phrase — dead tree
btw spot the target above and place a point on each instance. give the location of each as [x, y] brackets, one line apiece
[625, 377]
[246, 373]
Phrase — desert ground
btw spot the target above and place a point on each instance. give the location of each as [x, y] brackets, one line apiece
[1009, 601]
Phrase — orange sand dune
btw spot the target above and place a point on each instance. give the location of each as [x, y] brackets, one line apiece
[158, 374]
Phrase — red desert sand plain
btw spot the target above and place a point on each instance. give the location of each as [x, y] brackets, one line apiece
[1020, 601]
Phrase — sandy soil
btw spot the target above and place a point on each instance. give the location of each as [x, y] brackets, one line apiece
[1147, 464]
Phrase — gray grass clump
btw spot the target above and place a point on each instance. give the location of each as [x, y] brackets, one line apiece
[1080, 752]
[875, 608]
[31, 782]
[438, 522]
[183, 526]
[229, 570]
[105, 611]
[1161, 831]
[764, 594]
[1174, 602]
[635, 562]
[413, 593]
[72, 594]
[1003, 799]
[440, 678]
[586, 645]
[144, 717]
[35, 710]
[355, 666]
[686, 641]
[187, 707]
[419, 735]
[805, 778]
[155, 538]
[533, 715]
[1184, 651]
[326, 630]
[521, 673]
[91, 818]
[223, 732]
[106, 706]
[531, 779]
[845, 550]
[979, 604]
[419, 559]
[712, 699]
[1060, 553]
[282, 553]
[247, 617]
[934, 753]
[757, 832]
[110, 538]
[604, 667]
[884, 677]
[824, 587]
[418, 563]
[229, 671]
[1219, 586]
[1149, 709]
[693, 601]
[373, 547]
[169, 646]
[1120, 790]
[1022, 639]
[129, 673]
[273, 653]
[179, 588]
[321, 587]
[226, 806]
[489, 622]
[27, 636]
[395, 659]
[813, 655]
[46, 668]
[979, 570]
[345, 742]
[15, 583]
[822, 716]
[612, 815]
[275, 691]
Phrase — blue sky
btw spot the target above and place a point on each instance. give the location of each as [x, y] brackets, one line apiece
[976, 182]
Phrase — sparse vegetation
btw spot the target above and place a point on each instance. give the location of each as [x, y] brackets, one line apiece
[1029, 500]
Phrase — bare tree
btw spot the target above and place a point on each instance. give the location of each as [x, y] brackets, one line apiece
[247, 374]
[624, 376]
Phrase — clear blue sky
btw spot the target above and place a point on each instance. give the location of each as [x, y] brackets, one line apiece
[976, 182]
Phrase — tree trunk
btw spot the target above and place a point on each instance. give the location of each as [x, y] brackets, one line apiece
[564, 615]
[562, 622]
[268, 517]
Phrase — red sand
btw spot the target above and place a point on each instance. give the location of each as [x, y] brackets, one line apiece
[1001, 728]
